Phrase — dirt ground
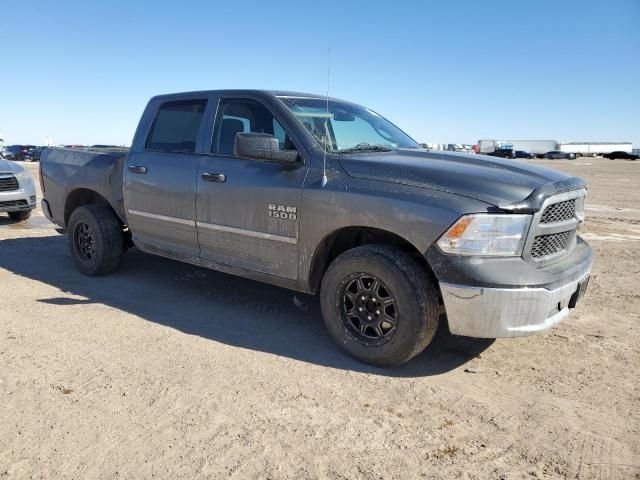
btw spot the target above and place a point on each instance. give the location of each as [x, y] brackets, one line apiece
[165, 370]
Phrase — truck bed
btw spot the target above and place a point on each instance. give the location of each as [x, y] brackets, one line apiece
[65, 170]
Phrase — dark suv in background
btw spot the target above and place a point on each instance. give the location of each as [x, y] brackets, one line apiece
[502, 153]
[522, 154]
[620, 155]
[36, 153]
[18, 153]
[558, 155]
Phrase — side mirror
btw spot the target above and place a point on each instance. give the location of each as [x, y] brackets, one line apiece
[262, 146]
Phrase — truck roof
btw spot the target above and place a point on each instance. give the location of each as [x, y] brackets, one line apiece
[268, 93]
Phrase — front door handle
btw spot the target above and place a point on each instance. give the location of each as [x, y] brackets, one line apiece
[214, 177]
[137, 169]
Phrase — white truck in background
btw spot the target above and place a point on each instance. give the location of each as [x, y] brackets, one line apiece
[594, 149]
[530, 146]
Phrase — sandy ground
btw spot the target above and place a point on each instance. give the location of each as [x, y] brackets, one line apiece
[164, 370]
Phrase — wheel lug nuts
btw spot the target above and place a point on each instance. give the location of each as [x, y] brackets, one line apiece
[377, 312]
[359, 309]
[364, 298]
[369, 317]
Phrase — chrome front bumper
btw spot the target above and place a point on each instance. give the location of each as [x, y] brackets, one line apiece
[508, 312]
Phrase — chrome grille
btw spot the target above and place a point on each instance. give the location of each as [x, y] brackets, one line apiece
[545, 245]
[559, 212]
[554, 228]
[8, 183]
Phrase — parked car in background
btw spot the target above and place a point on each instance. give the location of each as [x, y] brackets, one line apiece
[36, 153]
[10, 151]
[18, 153]
[522, 154]
[17, 190]
[558, 155]
[459, 147]
[27, 151]
[502, 153]
[621, 155]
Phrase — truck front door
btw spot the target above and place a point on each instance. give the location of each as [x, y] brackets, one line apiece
[248, 210]
[160, 177]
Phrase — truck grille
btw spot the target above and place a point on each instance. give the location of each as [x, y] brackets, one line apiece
[8, 183]
[559, 212]
[544, 245]
[553, 233]
[14, 203]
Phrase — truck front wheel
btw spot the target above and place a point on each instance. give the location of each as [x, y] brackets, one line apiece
[379, 305]
[20, 216]
[96, 240]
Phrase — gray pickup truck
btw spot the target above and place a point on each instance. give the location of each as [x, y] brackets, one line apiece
[325, 196]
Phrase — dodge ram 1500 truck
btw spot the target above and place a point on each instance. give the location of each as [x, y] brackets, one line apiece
[325, 196]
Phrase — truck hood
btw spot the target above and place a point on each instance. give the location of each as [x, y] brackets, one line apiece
[7, 166]
[493, 180]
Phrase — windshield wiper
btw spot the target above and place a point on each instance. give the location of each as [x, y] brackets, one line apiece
[366, 148]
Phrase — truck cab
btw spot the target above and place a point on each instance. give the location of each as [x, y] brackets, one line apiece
[229, 221]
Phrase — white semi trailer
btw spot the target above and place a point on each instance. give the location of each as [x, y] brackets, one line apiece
[531, 146]
[593, 149]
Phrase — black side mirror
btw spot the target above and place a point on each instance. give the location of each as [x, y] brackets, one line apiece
[262, 146]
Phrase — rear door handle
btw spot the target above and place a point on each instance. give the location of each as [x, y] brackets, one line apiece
[214, 177]
[137, 169]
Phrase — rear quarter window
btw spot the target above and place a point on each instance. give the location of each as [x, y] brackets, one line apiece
[175, 127]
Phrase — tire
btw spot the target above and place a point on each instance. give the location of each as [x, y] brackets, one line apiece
[96, 240]
[20, 216]
[403, 279]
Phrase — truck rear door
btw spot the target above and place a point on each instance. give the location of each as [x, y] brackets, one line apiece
[160, 176]
[248, 210]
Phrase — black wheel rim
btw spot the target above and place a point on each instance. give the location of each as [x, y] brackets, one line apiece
[369, 309]
[84, 241]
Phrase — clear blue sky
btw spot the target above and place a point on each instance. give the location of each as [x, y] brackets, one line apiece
[446, 71]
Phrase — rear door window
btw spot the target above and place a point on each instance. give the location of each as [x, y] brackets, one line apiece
[176, 126]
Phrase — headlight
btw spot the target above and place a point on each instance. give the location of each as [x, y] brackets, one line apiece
[486, 234]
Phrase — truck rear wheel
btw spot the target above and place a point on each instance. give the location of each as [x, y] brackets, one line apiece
[96, 240]
[379, 305]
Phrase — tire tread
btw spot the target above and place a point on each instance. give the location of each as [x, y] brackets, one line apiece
[422, 289]
[111, 236]
[20, 216]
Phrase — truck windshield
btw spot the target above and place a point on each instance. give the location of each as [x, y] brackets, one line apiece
[346, 128]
